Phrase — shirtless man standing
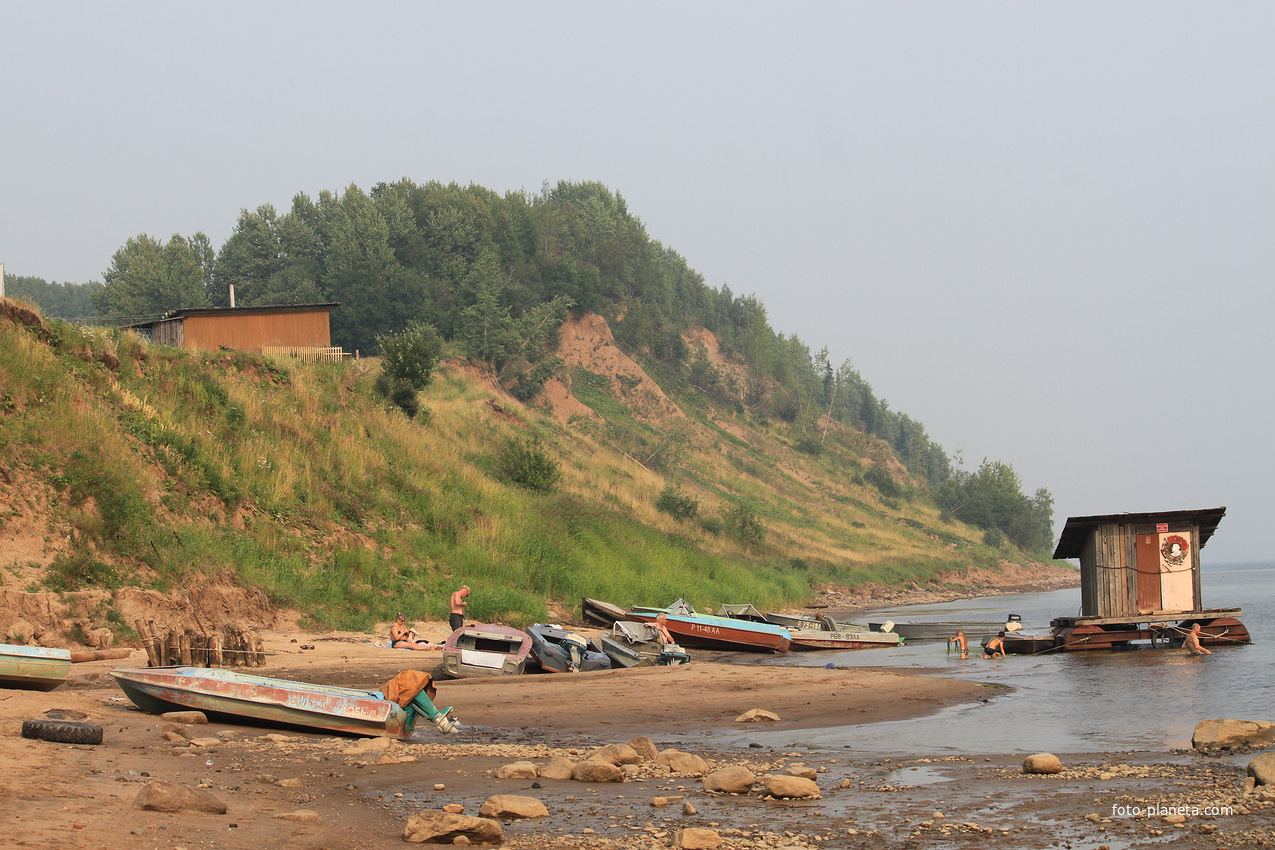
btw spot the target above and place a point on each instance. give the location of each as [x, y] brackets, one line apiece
[456, 618]
[1192, 641]
[961, 643]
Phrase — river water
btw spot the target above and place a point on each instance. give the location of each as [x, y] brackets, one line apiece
[1068, 701]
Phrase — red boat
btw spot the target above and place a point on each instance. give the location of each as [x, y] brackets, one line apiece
[719, 632]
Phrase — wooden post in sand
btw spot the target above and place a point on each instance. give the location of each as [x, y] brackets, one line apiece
[214, 650]
[183, 647]
[148, 643]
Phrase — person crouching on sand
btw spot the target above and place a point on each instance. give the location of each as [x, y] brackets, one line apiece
[403, 637]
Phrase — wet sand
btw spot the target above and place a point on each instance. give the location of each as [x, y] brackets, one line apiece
[359, 795]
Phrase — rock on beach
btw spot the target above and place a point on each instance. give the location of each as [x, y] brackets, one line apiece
[429, 827]
[1230, 734]
[162, 796]
[513, 806]
[1043, 763]
[1262, 769]
[735, 779]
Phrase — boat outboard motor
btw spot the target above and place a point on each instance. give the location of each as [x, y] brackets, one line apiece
[576, 646]
[887, 626]
[444, 720]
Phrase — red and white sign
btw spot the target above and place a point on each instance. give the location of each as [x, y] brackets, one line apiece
[1162, 528]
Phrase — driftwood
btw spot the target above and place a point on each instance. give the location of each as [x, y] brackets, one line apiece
[79, 657]
[232, 646]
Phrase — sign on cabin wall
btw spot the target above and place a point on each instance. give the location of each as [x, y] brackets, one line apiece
[1177, 562]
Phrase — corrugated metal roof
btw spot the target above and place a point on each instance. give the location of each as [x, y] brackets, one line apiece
[184, 312]
[1077, 529]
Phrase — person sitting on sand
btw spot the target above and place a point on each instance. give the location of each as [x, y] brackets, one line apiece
[1192, 641]
[403, 637]
[961, 643]
[456, 618]
[996, 646]
[661, 628]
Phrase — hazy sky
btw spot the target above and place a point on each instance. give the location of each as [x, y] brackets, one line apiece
[1045, 230]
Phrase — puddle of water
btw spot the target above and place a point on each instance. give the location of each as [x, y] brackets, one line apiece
[922, 774]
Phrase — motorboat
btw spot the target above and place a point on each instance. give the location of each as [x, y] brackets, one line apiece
[706, 630]
[33, 668]
[631, 643]
[556, 650]
[477, 650]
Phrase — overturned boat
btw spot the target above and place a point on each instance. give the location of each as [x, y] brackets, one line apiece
[219, 691]
[556, 650]
[635, 644]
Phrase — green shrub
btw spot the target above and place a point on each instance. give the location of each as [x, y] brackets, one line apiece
[78, 571]
[527, 464]
[411, 355]
[676, 504]
[742, 523]
[879, 477]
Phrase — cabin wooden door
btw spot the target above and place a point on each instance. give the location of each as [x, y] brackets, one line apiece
[1147, 565]
[1177, 576]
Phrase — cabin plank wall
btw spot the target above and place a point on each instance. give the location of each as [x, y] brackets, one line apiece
[251, 332]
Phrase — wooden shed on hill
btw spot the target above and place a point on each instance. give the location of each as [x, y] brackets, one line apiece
[300, 330]
[1137, 565]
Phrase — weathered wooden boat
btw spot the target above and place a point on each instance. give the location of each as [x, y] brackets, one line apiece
[974, 630]
[556, 650]
[485, 650]
[705, 630]
[220, 691]
[635, 644]
[33, 668]
[600, 613]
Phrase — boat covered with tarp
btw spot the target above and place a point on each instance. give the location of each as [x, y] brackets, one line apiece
[635, 644]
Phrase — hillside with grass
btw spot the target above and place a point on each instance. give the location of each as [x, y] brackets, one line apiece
[140, 481]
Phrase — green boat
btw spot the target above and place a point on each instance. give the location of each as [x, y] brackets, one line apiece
[33, 668]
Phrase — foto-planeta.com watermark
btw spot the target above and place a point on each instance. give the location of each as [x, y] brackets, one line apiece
[1157, 810]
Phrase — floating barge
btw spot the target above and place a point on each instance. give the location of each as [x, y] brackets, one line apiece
[1140, 582]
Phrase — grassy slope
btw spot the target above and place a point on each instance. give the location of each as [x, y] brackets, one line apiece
[172, 467]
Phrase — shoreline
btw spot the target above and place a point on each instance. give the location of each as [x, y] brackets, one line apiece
[297, 789]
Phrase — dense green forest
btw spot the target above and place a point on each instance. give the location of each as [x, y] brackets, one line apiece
[496, 275]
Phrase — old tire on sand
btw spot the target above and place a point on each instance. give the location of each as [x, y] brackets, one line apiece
[62, 731]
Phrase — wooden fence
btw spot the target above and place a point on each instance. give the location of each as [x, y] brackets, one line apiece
[306, 353]
[230, 647]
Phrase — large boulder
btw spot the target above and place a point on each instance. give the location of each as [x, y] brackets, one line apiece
[616, 754]
[735, 779]
[597, 771]
[1262, 769]
[513, 806]
[170, 797]
[790, 787]
[1046, 763]
[1232, 734]
[557, 767]
[644, 747]
[686, 764]
[517, 770]
[757, 715]
[696, 838]
[428, 827]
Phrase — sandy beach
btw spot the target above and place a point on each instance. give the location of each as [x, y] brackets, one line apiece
[284, 787]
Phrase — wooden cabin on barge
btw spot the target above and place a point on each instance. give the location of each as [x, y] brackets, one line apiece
[1140, 580]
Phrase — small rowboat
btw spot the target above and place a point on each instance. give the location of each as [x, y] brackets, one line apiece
[221, 691]
[33, 668]
[478, 650]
